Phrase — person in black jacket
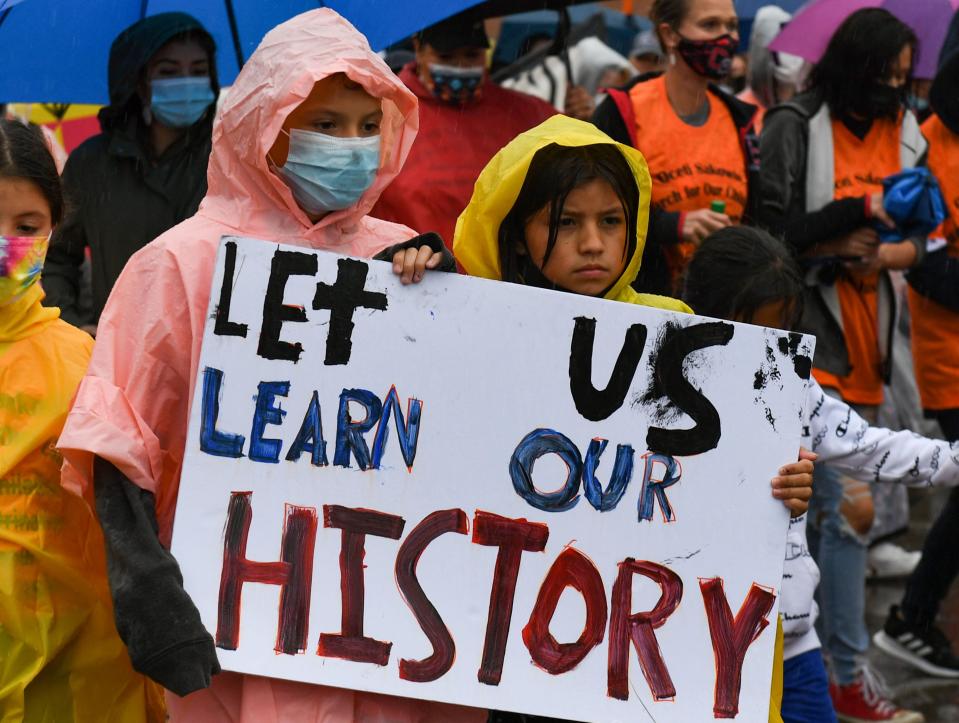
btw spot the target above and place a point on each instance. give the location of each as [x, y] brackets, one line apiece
[910, 632]
[146, 171]
[698, 140]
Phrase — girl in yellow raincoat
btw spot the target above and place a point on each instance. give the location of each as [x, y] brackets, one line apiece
[60, 656]
[565, 207]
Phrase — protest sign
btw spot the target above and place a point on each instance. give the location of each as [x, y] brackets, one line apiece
[486, 494]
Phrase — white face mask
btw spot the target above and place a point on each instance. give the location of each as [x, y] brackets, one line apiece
[327, 173]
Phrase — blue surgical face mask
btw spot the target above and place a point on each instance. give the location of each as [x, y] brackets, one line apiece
[180, 102]
[327, 173]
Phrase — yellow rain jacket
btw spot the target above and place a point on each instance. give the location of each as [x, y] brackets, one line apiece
[61, 659]
[476, 242]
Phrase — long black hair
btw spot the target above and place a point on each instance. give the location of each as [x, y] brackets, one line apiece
[860, 56]
[24, 154]
[671, 12]
[739, 269]
[554, 172]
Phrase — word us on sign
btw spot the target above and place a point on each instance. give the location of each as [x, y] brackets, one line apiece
[485, 494]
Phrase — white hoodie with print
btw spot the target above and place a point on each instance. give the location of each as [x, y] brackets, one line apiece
[848, 443]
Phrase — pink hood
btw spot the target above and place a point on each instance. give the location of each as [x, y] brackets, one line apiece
[243, 193]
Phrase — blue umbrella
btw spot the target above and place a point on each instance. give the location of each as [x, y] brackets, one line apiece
[56, 50]
[747, 9]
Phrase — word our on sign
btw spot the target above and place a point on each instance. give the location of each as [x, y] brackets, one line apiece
[486, 494]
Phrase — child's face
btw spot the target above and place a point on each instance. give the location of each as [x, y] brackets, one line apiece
[336, 107]
[24, 210]
[772, 314]
[590, 251]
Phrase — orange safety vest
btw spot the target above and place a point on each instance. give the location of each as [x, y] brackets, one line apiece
[691, 166]
[860, 167]
[935, 329]
[748, 96]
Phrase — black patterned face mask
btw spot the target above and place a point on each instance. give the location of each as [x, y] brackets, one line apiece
[882, 101]
[710, 58]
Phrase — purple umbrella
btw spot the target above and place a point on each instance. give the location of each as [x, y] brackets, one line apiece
[808, 33]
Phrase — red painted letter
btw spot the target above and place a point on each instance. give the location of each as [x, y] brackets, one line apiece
[294, 574]
[444, 650]
[732, 638]
[356, 524]
[639, 627]
[571, 569]
[513, 537]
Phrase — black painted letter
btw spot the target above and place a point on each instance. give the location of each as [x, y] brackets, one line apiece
[275, 312]
[669, 381]
[592, 403]
[346, 295]
[223, 325]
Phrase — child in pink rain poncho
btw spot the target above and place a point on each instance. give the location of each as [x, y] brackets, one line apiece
[308, 137]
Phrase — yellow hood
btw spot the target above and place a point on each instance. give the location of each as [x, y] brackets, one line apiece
[475, 242]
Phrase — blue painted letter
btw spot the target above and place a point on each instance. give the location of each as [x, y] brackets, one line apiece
[618, 478]
[407, 431]
[535, 445]
[349, 434]
[657, 488]
[267, 450]
[310, 436]
[213, 441]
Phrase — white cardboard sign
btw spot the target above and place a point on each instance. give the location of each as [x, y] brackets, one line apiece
[486, 494]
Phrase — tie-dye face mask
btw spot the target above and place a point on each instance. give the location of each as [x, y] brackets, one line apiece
[21, 260]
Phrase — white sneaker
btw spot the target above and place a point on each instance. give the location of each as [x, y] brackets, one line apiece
[888, 560]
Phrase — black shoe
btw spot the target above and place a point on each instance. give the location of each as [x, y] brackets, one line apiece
[925, 648]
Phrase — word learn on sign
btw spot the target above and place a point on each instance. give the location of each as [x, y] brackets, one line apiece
[486, 494]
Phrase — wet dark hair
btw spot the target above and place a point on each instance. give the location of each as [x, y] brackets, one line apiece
[859, 56]
[739, 269]
[671, 12]
[202, 39]
[553, 174]
[24, 154]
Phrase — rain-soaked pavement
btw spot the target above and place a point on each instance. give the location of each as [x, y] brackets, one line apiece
[936, 698]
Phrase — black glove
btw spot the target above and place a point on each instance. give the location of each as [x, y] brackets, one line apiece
[430, 239]
[155, 617]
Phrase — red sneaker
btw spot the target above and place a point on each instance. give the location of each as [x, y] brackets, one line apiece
[865, 701]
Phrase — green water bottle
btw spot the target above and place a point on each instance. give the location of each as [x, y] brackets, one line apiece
[718, 206]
